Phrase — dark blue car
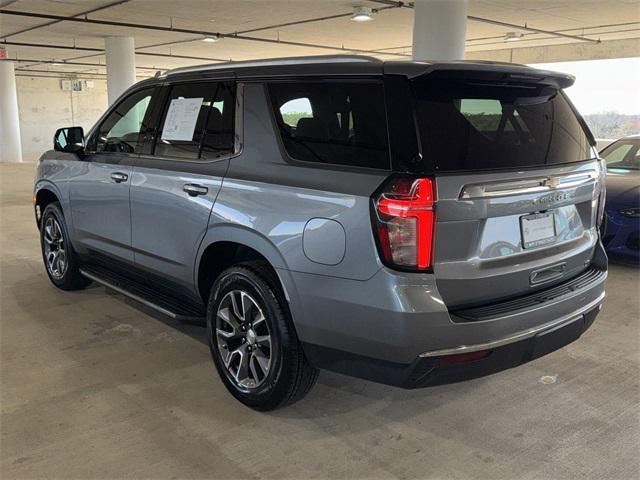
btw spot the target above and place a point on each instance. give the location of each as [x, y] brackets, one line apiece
[620, 233]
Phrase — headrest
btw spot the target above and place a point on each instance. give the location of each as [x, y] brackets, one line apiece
[215, 119]
[312, 128]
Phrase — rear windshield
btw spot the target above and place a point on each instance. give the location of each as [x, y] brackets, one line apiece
[467, 126]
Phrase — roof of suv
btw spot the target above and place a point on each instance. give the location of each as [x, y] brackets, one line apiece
[357, 65]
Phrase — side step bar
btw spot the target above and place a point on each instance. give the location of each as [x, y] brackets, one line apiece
[163, 304]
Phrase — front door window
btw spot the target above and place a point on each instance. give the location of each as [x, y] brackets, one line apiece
[122, 129]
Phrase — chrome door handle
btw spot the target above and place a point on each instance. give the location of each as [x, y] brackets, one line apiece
[194, 190]
[119, 177]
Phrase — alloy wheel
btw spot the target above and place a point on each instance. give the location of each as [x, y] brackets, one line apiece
[55, 252]
[244, 339]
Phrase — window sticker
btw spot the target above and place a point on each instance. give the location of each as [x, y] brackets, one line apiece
[181, 119]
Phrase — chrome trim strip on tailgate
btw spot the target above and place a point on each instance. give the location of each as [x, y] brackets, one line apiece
[530, 185]
[516, 337]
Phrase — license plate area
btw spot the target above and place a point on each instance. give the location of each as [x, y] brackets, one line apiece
[537, 229]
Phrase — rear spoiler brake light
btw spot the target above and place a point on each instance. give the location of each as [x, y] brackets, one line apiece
[481, 72]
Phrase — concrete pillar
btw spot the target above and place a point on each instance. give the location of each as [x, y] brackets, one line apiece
[121, 65]
[439, 29]
[10, 146]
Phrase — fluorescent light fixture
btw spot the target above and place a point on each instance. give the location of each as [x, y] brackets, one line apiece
[362, 14]
[513, 36]
[211, 38]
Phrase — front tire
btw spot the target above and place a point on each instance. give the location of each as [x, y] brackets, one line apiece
[253, 341]
[60, 260]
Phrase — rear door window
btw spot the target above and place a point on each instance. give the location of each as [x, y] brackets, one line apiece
[340, 123]
[483, 126]
[197, 117]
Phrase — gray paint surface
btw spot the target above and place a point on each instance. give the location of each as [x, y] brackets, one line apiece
[168, 225]
[100, 206]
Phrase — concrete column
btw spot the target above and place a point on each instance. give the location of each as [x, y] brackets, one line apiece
[121, 65]
[10, 146]
[439, 29]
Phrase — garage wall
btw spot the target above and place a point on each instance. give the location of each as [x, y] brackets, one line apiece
[45, 107]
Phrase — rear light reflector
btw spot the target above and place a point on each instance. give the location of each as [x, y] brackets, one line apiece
[405, 220]
[464, 357]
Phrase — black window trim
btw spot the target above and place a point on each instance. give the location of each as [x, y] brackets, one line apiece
[265, 82]
[238, 124]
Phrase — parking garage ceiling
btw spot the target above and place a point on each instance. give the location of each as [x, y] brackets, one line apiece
[60, 37]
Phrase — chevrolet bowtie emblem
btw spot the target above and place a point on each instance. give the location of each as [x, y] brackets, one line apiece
[552, 182]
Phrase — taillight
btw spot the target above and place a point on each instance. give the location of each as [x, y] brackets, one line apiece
[405, 222]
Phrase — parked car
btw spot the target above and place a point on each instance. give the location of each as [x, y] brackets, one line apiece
[622, 226]
[403, 222]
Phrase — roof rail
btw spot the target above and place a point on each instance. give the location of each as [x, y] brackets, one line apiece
[275, 62]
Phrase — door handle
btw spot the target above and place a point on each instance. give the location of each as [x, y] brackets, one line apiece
[119, 177]
[194, 189]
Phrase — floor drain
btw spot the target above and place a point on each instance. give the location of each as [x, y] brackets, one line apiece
[548, 379]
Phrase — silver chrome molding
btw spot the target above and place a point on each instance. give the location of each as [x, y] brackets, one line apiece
[516, 337]
[530, 185]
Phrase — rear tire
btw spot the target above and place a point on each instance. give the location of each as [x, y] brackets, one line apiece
[60, 260]
[248, 321]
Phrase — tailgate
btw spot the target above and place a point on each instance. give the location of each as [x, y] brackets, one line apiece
[505, 234]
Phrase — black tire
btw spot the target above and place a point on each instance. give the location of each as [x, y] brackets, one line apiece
[290, 376]
[69, 277]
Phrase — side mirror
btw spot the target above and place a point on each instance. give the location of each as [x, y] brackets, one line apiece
[69, 139]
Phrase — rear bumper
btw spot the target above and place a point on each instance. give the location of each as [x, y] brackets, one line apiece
[434, 370]
[395, 329]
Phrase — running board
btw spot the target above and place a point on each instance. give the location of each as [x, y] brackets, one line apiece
[163, 304]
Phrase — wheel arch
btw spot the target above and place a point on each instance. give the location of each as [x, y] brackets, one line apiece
[44, 195]
[224, 246]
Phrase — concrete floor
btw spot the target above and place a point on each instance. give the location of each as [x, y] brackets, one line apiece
[94, 387]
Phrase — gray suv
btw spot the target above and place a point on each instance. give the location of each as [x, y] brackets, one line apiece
[408, 223]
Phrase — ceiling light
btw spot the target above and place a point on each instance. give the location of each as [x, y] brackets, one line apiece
[362, 14]
[513, 36]
[211, 38]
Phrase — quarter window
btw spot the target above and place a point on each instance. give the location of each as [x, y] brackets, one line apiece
[197, 121]
[333, 122]
[121, 130]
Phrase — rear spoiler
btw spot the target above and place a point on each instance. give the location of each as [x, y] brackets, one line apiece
[480, 71]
